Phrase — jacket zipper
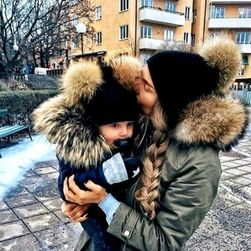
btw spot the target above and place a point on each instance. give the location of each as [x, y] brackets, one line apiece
[124, 247]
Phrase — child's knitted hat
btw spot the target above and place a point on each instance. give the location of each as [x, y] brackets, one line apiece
[97, 91]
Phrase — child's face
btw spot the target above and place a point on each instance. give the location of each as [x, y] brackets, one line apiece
[118, 130]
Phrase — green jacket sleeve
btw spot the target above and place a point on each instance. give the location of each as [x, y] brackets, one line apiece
[188, 187]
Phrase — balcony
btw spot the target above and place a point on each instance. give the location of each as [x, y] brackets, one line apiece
[151, 44]
[160, 16]
[230, 1]
[245, 48]
[161, 44]
[229, 23]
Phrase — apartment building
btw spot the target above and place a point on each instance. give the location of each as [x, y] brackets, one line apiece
[140, 27]
[231, 17]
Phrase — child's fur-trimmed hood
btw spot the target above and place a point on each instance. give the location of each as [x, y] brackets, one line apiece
[63, 120]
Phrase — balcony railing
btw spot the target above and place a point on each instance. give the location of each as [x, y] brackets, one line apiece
[160, 44]
[160, 16]
[151, 44]
[245, 48]
[225, 23]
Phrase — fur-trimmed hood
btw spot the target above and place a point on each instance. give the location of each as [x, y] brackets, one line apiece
[64, 121]
[212, 120]
[77, 138]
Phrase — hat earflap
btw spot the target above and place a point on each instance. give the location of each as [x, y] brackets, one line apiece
[126, 69]
[80, 82]
[222, 53]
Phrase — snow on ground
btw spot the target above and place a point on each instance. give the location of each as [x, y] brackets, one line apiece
[18, 159]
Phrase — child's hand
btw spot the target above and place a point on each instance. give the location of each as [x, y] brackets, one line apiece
[74, 211]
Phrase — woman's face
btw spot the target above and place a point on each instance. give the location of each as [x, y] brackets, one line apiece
[146, 94]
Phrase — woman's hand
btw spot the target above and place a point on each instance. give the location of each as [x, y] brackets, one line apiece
[74, 211]
[76, 195]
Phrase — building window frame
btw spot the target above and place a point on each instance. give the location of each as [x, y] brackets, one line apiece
[170, 6]
[187, 12]
[243, 37]
[245, 59]
[99, 38]
[145, 31]
[123, 32]
[146, 3]
[98, 12]
[186, 37]
[169, 34]
[244, 12]
[217, 12]
[123, 5]
[193, 41]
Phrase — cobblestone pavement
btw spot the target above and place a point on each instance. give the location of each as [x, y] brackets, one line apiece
[30, 216]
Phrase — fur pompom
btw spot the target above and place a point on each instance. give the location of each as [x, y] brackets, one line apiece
[126, 69]
[80, 82]
[222, 52]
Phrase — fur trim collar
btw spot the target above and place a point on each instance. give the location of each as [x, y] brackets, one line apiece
[212, 120]
[78, 140]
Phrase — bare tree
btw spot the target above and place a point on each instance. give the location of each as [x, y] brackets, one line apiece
[39, 28]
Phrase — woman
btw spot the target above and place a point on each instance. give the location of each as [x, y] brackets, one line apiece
[188, 127]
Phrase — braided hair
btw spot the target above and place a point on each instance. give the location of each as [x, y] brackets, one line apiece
[148, 194]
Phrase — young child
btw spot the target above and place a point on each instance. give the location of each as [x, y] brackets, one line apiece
[92, 122]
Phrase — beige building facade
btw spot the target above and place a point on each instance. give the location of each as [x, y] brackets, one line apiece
[141, 27]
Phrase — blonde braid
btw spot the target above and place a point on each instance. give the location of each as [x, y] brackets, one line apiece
[148, 194]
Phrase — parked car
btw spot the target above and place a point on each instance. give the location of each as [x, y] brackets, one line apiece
[41, 71]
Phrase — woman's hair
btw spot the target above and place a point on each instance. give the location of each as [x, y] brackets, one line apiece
[148, 194]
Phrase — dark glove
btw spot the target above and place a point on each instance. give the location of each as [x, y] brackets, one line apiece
[133, 166]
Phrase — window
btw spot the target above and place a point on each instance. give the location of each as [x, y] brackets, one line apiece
[194, 15]
[217, 12]
[98, 13]
[99, 38]
[214, 34]
[243, 37]
[245, 59]
[170, 6]
[123, 32]
[123, 5]
[244, 12]
[146, 3]
[168, 35]
[145, 31]
[186, 37]
[187, 12]
[192, 39]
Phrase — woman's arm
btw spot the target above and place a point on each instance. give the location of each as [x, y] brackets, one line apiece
[183, 205]
[94, 194]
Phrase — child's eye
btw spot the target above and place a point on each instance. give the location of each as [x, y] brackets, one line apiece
[130, 124]
[114, 125]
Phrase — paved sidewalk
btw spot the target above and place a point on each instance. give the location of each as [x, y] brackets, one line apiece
[31, 220]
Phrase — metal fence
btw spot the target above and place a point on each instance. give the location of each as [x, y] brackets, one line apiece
[55, 72]
[244, 95]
